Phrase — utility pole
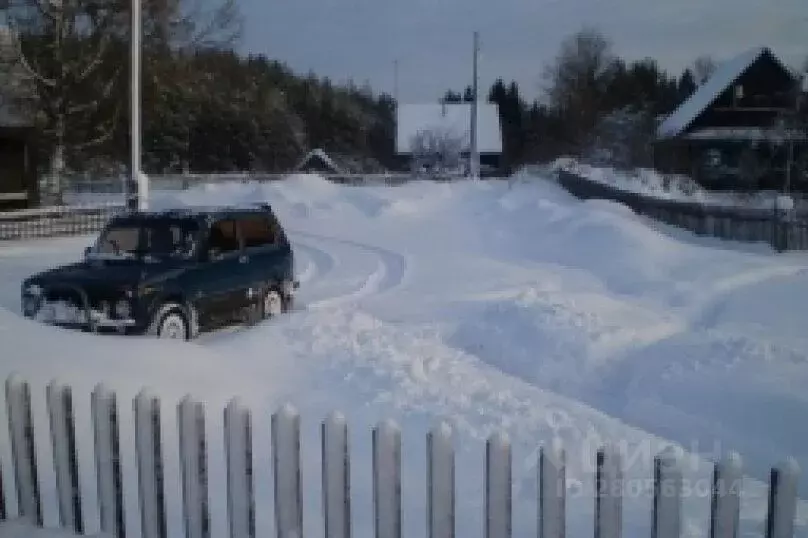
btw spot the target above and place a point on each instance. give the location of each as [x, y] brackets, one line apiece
[138, 198]
[793, 126]
[474, 154]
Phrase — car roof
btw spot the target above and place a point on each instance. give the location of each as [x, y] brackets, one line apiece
[194, 212]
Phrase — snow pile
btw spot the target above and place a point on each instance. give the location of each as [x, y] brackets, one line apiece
[493, 306]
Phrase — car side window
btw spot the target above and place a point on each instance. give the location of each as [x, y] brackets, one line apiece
[257, 231]
[223, 238]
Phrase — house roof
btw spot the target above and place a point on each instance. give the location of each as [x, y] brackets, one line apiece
[453, 117]
[706, 94]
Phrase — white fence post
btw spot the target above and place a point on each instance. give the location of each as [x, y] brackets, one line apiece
[286, 466]
[336, 477]
[725, 508]
[238, 452]
[193, 462]
[104, 408]
[609, 494]
[150, 466]
[23, 452]
[387, 480]
[498, 487]
[440, 483]
[65, 461]
[667, 496]
[782, 500]
[552, 491]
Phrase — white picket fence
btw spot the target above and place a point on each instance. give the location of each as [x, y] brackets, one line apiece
[336, 493]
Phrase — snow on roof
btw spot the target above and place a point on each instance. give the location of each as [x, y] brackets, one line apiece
[455, 117]
[707, 93]
[323, 156]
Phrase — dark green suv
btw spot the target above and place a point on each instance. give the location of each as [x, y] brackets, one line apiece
[171, 274]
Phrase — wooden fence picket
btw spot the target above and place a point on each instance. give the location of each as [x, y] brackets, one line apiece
[726, 502]
[286, 467]
[23, 449]
[148, 445]
[552, 491]
[608, 494]
[440, 483]
[782, 500]
[109, 478]
[387, 480]
[336, 477]
[193, 464]
[238, 454]
[498, 487]
[65, 458]
[667, 508]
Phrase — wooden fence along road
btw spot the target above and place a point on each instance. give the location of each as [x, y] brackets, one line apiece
[735, 223]
[335, 461]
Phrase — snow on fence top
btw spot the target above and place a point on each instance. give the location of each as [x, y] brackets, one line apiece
[335, 487]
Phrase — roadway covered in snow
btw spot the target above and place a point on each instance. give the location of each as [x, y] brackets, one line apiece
[491, 305]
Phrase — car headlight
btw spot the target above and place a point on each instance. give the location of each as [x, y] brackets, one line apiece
[123, 309]
[33, 289]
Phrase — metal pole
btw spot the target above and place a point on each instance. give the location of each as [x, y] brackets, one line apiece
[135, 200]
[474, 157]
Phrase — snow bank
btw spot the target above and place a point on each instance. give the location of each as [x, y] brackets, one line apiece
[491, 305]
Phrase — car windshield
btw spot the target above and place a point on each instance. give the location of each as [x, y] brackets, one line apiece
[153, 238]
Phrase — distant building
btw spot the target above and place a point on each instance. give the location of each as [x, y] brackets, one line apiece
[729, 133]
[317, 161]
[437, 137]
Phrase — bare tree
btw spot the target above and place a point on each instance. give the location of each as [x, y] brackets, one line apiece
[703, 68]
[436, 150]
[67, 49]
[576, 80]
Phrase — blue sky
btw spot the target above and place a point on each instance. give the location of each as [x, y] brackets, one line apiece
[360, 39]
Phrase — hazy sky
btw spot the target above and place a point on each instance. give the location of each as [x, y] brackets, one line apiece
[432, 39]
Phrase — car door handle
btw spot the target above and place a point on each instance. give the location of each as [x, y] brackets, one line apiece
[243, 259]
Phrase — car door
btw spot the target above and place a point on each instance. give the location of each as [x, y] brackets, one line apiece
[220, 285]
[263, 248]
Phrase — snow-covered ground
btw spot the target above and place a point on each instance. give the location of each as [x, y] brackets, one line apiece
[491, 305]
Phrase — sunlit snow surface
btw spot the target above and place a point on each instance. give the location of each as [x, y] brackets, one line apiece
[491, 305]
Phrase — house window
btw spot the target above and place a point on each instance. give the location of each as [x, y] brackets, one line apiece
[713, 158]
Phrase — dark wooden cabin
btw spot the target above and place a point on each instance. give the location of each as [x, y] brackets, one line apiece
[18, 172]
[730, 133]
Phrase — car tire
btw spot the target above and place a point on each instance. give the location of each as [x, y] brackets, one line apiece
[173, 325]
[272, 304]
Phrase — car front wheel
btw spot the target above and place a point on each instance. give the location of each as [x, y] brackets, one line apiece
[173, 326]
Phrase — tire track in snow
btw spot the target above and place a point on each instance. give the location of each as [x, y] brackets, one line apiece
[390, 271]
[320, 262]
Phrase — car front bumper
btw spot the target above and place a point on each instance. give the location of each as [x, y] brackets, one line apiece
[68, 314]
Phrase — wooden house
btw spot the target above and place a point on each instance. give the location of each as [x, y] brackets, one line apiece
[734, 131]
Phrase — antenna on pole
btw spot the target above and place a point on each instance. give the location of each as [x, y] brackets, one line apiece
[474, 156]
[395, 81]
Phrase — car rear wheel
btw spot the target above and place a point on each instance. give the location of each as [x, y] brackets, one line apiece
[173, 326]
[272, 304]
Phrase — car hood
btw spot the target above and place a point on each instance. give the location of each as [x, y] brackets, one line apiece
[109, 273]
